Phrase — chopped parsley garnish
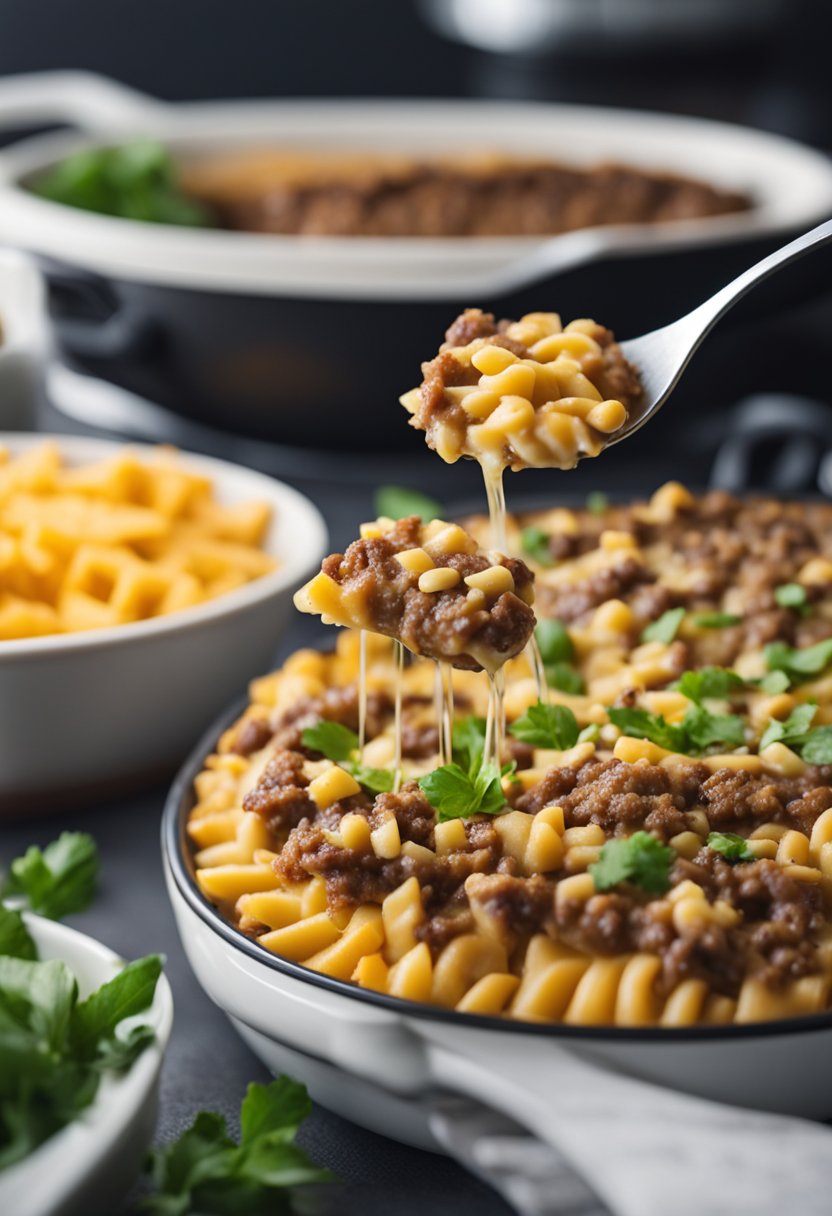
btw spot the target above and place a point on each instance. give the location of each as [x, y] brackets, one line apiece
[590, 733]
[546, 726]
[456, 794]
[136, 181]
[716, 620]
[698, 730]
[665, 628]
[206, 1171]
[814, 745]
[597, 502]
[641, 860]
[793, 595]
[58, 880]
[709, 683]
[732, 847]
[54, 1047]
[554, 642]
[535, 544]
[799, 664]
[468, 742]
[773, 682]
[565, 678]
[340, 744]
[397, 502]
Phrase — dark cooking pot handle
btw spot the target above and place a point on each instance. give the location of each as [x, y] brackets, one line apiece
[80, 99]
[118, 332]
[801, 429]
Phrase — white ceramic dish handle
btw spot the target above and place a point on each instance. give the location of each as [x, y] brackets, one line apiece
[83, 99]
[642, 1149]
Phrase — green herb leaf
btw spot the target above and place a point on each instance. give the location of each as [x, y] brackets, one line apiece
[59, 880]
[792, 730]
[597, 502]
[376, 780]
[333, 740]
[716, 620]
[799, 664]
[205, 1171]
[590, 733]
[818, 747]
[535, 544]
[733, 848]
[665, 628]
[709, 683]
[565, 678]
[397, 502]
[704, 729]
[774, 682]
[455, 794]
[135, 181]
[554, 642]
[15, 939]
[641, 860]
[641, 724]
[792, 595]
[125, 995]
[547, 726]
[468, 743]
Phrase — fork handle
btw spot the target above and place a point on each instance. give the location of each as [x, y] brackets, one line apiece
[707, 314]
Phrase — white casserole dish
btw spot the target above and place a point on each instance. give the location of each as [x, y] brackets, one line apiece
[86, 713]
[87, 1166]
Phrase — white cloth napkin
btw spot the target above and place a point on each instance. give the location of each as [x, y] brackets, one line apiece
[613, 1144]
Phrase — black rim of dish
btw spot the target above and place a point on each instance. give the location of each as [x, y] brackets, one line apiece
[176, 853]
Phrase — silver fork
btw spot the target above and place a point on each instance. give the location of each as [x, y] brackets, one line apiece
[662, 356]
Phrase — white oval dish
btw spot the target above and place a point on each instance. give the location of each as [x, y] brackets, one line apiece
[84, 712]
[791, 186]
[89, 1165]
[514, 1066]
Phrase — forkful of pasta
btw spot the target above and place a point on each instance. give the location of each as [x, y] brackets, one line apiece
[535, 394]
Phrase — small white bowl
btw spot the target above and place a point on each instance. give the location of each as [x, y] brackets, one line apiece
[24, 339]
[86, 713]
[88, 1166]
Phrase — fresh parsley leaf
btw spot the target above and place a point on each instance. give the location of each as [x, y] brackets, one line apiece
[709, 683]
[125, 995]
[641, 724]
[333, 740]
[339, 743]
[641, 860]
[456, 794]
[554, 642]
[15, 940]
[774, 682]
[60, 879]
[53, 1048]
[818, 747]
[590, 733]
[136, 181]
[799, 664]
[732, 847]
[205, 1171]
[397, 502]
[791, 730]
[597, 502]
[665, 628]
[468, 743]
[792, 595]
[565, 678]
[716, 620]
[698, 730]
[535, 543]
[549, 726]
[704, 729]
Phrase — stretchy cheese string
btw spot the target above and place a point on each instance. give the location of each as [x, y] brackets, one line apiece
[398, 664]
[362, 693]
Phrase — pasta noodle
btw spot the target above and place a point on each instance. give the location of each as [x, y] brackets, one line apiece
[117, 541]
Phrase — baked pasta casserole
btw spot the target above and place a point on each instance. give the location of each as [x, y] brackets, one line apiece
[651, 845]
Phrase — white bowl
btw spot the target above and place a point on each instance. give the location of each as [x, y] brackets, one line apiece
[88, 1166]
[409, 1049]
[88, 712]
[23, 339]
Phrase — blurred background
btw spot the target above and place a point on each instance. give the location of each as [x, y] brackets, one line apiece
[760, 63]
